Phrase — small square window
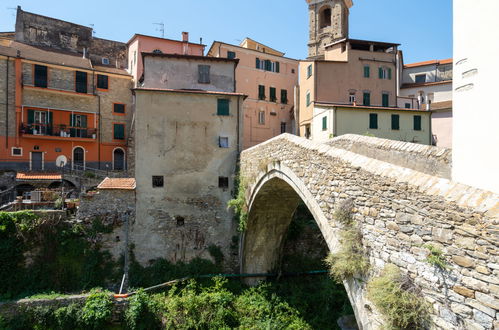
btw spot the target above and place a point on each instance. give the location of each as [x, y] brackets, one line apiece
[158, 181]
[223, 182]
[17, 151]
[58, 150]
[420, 78]
[407, 105]
[231, 55]
[292, 70]
[119, 108]
[223, 142]
[105, 61]
[102, 81]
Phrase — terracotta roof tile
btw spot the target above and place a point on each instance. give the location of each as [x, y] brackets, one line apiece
[117, 184]
[38, 176]
[432, 62]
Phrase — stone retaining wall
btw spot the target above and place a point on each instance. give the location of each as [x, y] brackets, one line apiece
[399, 210]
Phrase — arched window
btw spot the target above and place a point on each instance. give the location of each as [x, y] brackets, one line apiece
[325, 17]
[157, 51]
[118, 159]
[79, 158]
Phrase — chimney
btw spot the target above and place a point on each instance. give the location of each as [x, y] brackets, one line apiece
[84, 52]
[185, 36]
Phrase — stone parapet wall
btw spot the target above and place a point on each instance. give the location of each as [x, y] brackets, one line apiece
[399, 210]
[431, 160]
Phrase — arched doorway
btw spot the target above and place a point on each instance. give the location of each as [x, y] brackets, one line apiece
[118, 159]
[78, 158]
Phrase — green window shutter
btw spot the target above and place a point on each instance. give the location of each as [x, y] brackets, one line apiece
[367, 72]
[277, 67]
[84, 121]
[308, 99]
[119, 131]
[417, 123]
[284, 96]
[222, 107]
[395, 122]
[273, 96]
[31, 116]
[367, 99]
[309, 71]
[385, 100]
[257, 63]
[373, 121]
[390, 73]
[261, 92]
[324, 123]
[380, 73]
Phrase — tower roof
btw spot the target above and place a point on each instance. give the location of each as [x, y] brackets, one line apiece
[349, 3]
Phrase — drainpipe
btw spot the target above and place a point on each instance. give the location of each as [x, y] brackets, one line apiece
[7, 104]
[238, 124]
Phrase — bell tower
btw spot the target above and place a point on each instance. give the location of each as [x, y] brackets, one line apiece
[328, 22]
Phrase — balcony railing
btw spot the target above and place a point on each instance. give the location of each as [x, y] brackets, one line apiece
[58, 130]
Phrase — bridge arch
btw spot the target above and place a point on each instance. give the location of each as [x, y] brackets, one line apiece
[273, 199]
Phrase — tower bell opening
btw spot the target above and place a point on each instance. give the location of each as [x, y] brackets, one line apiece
[325, 17]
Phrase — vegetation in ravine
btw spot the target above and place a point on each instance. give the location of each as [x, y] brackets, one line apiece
[398, 299]
[238, 203]
[350, 260]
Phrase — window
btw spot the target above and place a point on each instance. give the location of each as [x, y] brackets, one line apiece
[395, 122]
[119, 132]
[80, 82]
[261, 92]
[373, 121]
[309, 71]
[407, 105]
[308, 99]
[277, 67]
[102, 81]
[17, 151]
[223, 142]
[231, 55]
[261, 117]
[268, 65]
[158, 181]
[105, 61]
[351, 98]
[273, 97]
[367, 71]
[257, 63]
[417, 123]
[41, 76]
[385, 100]
[203, 74]
[119, 108]
[307, 131]
[157, 51]
[292, 70]
[325, 17]
[78, 125]
[324, 123]
[223, 182]
[385, 73]
[420, 78]
[367, 98]
[283, 127]
[222, 107]
[284, 96]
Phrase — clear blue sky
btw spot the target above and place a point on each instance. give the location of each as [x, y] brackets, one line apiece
[423, 27]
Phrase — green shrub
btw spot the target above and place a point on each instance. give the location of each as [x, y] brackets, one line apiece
[90, 175]
[350, 260]
[216, 253]
[239, 204]
[142, 312]
[67, 317]
[436, 257]
[97, 310]
[398, 299]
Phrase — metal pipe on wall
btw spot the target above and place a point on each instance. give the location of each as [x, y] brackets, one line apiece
[7, 104]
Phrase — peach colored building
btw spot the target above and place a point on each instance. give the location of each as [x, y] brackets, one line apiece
[148, 44]
[269, 79]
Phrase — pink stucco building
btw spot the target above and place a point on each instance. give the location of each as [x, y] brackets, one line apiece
[148, 44]
[270, 80]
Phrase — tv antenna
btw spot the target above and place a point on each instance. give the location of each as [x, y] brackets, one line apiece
[13, 10]
[160, 28]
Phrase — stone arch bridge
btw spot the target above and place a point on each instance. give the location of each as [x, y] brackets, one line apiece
[403, 199]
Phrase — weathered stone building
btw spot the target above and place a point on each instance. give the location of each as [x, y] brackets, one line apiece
[187, 137]
[66, 94]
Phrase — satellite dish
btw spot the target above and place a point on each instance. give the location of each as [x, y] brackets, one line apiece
[61, 161]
